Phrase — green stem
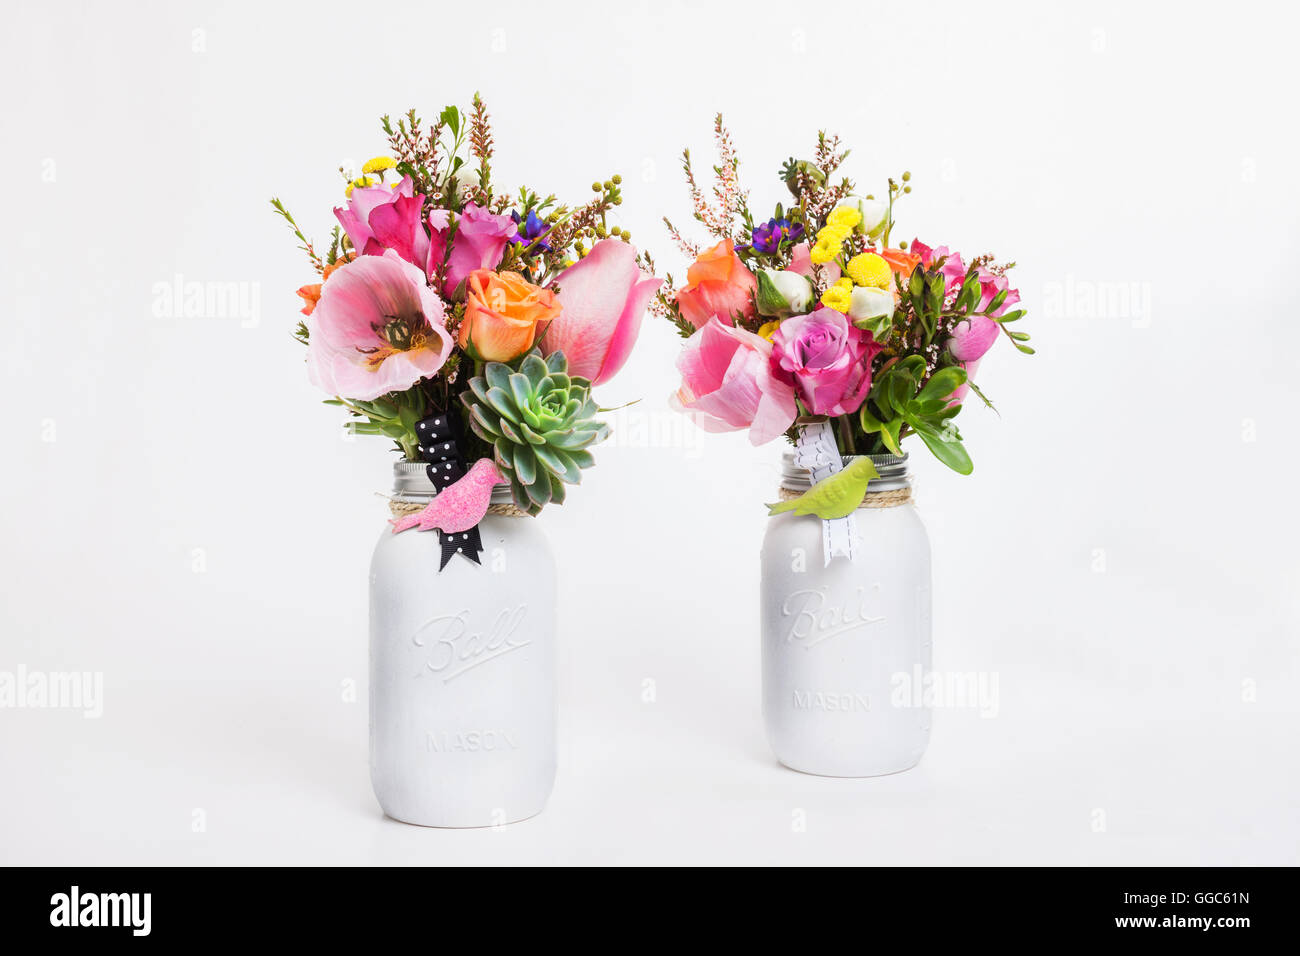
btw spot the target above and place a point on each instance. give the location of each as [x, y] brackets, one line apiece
[846, 435]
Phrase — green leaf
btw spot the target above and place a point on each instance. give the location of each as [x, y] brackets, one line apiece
[451, 117]
[889, 435]
[951, 453]
[1009, 316]
[914, 367]
[498, 375]
[1024, 348]
[919, 409]
[498, 399]
[870, 423]
[970, 293]
[879, 326]
[525, 464]
[901, 390]
[942, 384]
[534, 368]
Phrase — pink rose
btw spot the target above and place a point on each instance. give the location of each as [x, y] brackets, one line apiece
[826, 359]
[717, 286]
[602, 297]
[478, 243]
[727, 383]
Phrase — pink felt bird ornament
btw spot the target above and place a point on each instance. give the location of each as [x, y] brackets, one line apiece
[458, 507]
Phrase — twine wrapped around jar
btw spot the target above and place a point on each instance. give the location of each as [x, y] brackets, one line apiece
[872, 499]
[400, 509]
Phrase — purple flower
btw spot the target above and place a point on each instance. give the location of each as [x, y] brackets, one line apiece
[767, 238]
[531, 231]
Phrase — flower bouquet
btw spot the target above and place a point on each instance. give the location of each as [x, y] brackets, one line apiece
[812, 323]
[814, 315]
[469, 326]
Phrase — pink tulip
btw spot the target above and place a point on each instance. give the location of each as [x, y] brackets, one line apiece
[478, 242]
[826, 359]
[377, 328]
[602, 298]
[377, 218]
[727, 383]
[976, 335]
[953, 270]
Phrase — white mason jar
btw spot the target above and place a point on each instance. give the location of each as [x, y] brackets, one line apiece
[462, 670]
[845, 643]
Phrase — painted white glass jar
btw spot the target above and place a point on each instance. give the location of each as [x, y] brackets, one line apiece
[462, 671]
[842, 643]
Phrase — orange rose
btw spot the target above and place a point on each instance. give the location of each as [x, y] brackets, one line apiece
[310, 294]
[717, 284]
[503, 314]
[900, 261]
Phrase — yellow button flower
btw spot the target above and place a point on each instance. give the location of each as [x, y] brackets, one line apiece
[844, 218]
[379, 164]
[768, 329]
[838, 297]
[825, 249]
[833, 233]
[869, 269]
[362, 181]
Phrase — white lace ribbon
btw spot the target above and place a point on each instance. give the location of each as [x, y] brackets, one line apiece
[818, 452]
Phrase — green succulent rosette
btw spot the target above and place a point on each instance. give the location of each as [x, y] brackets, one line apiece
[539, 421]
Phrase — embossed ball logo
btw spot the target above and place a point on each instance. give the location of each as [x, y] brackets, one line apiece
[454, 647]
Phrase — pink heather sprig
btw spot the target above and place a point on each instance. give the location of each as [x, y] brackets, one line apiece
[689, 249]
[731, 199]
[730, 196]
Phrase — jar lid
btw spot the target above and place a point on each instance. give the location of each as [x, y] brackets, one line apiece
[893, 471]
[411, 480]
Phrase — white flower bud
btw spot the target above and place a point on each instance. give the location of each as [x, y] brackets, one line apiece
[870, 303]
[794, 288]
[873, 213]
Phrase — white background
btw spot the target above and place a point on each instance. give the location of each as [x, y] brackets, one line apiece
[181, 514]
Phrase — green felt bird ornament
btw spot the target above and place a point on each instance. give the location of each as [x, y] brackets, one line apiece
[836, 496]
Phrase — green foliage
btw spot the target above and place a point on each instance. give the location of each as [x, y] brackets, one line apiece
[392, 416]
[540, 422]
[899, 402]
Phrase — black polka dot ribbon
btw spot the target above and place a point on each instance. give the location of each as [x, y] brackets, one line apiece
[440, 441]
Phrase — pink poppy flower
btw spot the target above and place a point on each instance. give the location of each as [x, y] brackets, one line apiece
[377, 328]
